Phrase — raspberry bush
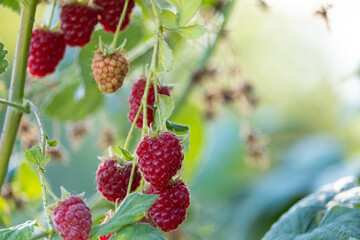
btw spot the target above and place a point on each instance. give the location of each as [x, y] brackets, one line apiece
[114, 80]
[142, 184]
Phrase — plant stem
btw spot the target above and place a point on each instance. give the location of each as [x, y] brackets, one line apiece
[152, 72]
[13, 116]
[52, 13]
[45, 198]
[43, 134]
[18, 106]
[127, 141]
[117, 33]
[226, 10]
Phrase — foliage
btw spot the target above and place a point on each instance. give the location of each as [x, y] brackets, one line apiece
[332, 213]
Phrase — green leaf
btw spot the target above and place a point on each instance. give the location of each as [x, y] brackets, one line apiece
[186, 9]
[166, 105]
[67, 105]
[193, 31]
[126, 154]
[3, 62]
[13, 4]
[20, 232]
[34, 155]
[146, 8]
[168, 19]
[52, 143]
[189, 9]
[46, 160]
[186, 144]
[166, 56]
[327, 214]
[131, 209]
[163, 111]
[177, 127]
[139, 232]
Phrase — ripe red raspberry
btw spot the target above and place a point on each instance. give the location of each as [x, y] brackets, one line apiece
[137, 92]
[72, 219]
[160, 158]
[107, 237]
[47, 48]
[111, 12]
[169, 210]
[113, 179]
[77, 23]
[109, 71]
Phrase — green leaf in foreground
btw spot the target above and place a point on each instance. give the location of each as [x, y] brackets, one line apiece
[34, 155]
[326, 214]
[139, 232]
[20, 232]
[3, 62]
[193, 31]
[131, 210]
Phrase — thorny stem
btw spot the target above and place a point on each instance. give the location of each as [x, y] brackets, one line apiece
[52, 13]
[43, 134]
[152, 71]
[13, 116]
[45, 198]
[119, 26]
[18, 106]
[45, 188]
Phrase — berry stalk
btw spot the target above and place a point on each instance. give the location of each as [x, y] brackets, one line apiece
[152, 71]
[52, 13]
[127, 141]
[119, 26]
[13, 116]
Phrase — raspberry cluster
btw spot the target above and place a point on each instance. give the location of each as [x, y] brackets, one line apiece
[113, 179]
[72, 219]
[169, 210]
[159, 159]
[137, 92]
[47, 48]
[110, 13]
[77, 24]
[109, 70]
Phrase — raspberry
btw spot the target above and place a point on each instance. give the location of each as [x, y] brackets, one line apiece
[160, 158]
[77, 23]
[107, 237]
[137, 92]
[47, 48]
[169, 210]
[113, 179]
[72, 219]
[109, 71]
[111, 12]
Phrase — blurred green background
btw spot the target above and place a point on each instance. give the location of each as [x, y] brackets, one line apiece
[303, 70]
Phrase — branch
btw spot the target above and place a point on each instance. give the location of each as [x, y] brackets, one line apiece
[13, 116]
